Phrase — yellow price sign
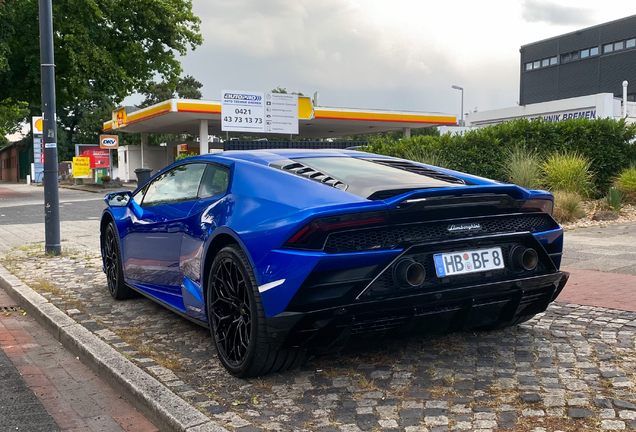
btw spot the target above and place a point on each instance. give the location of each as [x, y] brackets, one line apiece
[81, 167]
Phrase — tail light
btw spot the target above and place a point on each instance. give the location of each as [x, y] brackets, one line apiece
[313, 235]
[538, 205]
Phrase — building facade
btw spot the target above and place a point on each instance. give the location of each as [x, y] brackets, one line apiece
[590, 61]
[15, 162]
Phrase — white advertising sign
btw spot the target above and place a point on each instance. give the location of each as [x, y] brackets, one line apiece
[242, 111]
[281, 113]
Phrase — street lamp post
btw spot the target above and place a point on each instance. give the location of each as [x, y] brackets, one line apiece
[51, 194]
[461, 122]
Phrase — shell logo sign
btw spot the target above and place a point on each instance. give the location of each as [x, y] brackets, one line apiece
[119, 118]
[38, 126]
[108, 141]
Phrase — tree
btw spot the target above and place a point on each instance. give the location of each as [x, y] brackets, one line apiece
[186, 88]
[189, 88]
[11, 116]
[104, 51]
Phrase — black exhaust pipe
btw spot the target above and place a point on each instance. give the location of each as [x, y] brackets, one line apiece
[524, 258]
[409, 273]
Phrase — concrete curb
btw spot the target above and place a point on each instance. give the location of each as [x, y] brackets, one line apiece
[168, 411]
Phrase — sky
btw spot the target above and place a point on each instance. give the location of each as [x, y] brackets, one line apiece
[380, 54]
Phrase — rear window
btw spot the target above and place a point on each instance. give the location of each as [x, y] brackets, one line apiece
[379, 179]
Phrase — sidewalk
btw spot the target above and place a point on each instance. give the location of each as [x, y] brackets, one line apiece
[597, 288]
[47, 386]
[98, 189]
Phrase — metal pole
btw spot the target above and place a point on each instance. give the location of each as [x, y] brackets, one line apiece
[462, 113]
[51, 193]
[203, 137]
[625, 84]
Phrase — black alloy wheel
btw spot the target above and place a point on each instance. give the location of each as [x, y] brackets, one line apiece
[237, 319]
[231, 312]
[112, 264]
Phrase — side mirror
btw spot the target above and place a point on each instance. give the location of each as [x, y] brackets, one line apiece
[118, 199]
[125, 199]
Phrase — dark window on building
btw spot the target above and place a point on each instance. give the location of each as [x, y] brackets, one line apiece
[565, 58]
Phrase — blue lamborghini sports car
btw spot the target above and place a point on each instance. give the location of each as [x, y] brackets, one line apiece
[281, 251]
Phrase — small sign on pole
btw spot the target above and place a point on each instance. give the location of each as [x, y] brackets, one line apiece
[108, 141]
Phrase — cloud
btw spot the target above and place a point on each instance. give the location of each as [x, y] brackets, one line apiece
[306, 46]
[534, 11]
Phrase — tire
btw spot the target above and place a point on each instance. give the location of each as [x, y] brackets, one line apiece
[235, 310]
[112, 263]
[516, 321]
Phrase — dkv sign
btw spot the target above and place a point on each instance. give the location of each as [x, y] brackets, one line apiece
[108, 141]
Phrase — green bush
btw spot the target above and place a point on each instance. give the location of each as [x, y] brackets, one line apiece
[567, 206]
[614, 198]
[626, 183]
[424, 155]
[606, 143]
[522, 167]
[182, 156]
[568, 172]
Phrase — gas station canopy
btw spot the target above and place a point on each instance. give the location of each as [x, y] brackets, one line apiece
[185, 116]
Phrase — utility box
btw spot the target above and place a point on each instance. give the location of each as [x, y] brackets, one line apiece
[98, 173]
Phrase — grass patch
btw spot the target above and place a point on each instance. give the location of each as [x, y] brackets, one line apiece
[42, 284]
[567, 206]
[366, 384]
[169, 361]
[523, 168]
[626, 183]
[568, 172]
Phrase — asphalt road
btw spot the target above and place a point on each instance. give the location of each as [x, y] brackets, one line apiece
[21, 204]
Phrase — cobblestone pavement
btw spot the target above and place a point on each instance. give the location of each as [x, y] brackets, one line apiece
[570, 369]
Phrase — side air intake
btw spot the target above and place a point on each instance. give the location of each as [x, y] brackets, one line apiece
[310, 173]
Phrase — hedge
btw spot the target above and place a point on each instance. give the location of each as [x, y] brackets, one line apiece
[608, 143]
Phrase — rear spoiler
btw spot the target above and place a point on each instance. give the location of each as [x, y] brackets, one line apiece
[470, 193]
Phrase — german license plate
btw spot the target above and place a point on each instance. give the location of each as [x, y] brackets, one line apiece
[472, 261]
